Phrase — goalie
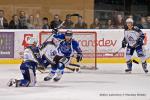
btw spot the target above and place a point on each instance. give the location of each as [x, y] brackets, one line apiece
[65, 50]
[133, 38]
[31, 59]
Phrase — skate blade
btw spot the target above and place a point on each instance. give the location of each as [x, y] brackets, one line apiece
[56, 80]
[146, 71]
[129, 72]
[47, 79]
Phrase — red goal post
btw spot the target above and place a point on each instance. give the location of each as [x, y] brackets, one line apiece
[87, 41]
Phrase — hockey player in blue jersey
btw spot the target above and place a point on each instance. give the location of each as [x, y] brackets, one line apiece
[65, 50]
[31, 59]
[133, 38]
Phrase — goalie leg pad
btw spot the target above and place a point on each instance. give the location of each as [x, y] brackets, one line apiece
[29, 74]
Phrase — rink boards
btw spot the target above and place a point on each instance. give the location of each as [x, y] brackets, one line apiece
[101, 44]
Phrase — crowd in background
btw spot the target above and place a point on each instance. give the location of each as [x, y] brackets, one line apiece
[22, 21]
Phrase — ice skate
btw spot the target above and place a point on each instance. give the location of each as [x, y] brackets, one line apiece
[58, 77]
[144, 66]
[11, 82]
[128, 71]
[49, 77]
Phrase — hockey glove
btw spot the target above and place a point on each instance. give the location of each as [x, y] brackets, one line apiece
[123, 44]
[139, 42]
[55, 31]
[79, 57]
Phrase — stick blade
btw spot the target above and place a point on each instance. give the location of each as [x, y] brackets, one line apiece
[135, 61]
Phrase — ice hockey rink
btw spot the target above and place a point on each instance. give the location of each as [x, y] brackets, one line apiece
[109, 82]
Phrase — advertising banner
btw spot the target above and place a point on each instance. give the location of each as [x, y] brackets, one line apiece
[6, 44]
[95, 43]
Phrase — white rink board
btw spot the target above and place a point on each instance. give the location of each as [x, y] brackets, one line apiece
[107, 41]
[87, 85]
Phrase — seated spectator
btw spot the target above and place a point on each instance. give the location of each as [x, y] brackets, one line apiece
[109, 24]
[14, 23]
[56, 22]
[80, 24]
[30, 22]
[143, 24]
[96, 24]
[3, 20]
[45, 23]
[68, 22]
[148, 22]
[23, 20]
[119, 22]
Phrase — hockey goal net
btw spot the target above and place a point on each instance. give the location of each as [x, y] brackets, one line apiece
[87, 42]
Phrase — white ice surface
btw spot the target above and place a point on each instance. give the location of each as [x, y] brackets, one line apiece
[109, 79]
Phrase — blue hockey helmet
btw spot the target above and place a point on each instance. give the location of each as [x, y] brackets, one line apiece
[69, 33]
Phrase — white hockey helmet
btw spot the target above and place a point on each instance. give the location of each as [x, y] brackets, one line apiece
[129, 20]
[32, 40]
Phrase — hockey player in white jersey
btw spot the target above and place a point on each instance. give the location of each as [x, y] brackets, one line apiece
[65, 51]
[31, 59]
[133, 38]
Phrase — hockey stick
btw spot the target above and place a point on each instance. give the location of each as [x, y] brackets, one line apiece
[42, 71]
[71, 15]
[135, 61]
[117, 51]
[76, 65]
[53, 33]
[113, 54]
